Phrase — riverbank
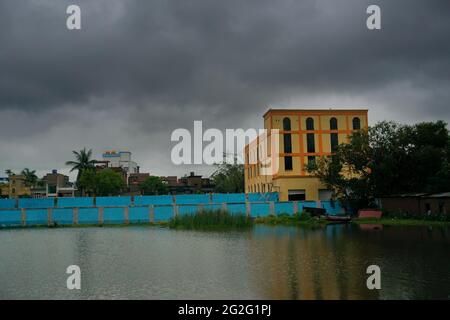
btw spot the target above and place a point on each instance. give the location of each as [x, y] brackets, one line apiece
[401, 222]
[235, 222]
[302, 219]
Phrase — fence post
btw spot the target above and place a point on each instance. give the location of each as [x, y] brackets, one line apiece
[272, 208]
[49, 216]
[175, 210]
[151, 213]
[100, 215]
[200, 207]
[318, 204]
[224, 206]
[126, 215]
[295, 207]
[23, 216]
[248, 208]
[75, 216]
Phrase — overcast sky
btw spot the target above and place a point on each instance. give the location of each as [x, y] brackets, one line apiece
[137, 70]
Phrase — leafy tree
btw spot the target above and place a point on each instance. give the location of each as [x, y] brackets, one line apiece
[153, 185]
[87, 182]
[229, 178]
[103, 183]
[31, 178]
[8, 172]
[348, 172]
[108, 183]
[389, 159]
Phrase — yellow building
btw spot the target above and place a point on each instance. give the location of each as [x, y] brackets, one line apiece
[16, 187]
[303, 135]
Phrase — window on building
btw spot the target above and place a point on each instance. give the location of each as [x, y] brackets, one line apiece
[287, 143]
[310, 143]
[296, 195]
[310, 124]
[334, 141]
[288, 163]
[286, 124]
[356, 124]
[333, 124]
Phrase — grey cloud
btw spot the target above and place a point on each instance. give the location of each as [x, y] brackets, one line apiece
[139, 69]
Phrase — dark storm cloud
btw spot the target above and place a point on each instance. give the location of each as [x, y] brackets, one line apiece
[148, 67]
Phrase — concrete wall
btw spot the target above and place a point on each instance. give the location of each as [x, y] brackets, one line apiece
[123, 210]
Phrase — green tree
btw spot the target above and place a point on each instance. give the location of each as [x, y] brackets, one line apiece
[87, 182]
[228, 178]
[9, 172]
[31, 178]
[348, 172]
[108, 183]
[103, 183]
[389, 159]
[153, 185]
[82, 162]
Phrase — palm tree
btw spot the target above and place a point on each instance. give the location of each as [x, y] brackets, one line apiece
[9, 172]
[30, 177]
[82, 162]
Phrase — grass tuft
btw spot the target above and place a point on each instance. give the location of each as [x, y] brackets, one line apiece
[211, 220]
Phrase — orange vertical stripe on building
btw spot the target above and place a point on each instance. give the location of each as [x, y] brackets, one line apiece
[348, 128]
[300, 140]
[320, 136]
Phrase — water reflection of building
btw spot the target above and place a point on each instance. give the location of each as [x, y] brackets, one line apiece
[312, 264]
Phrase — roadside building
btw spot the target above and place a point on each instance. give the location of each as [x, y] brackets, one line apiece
[4, 187]
[418, 204]
[17, 187]
[58, 185]
[189, 184]
[134, 181]
[120, 159]
[305, 135]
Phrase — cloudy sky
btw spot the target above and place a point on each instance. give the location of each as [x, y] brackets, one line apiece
[137, 70]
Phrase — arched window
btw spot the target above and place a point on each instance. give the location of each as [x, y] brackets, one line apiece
[310, 124]
[287, 124]
[356, 124]
[333, 124]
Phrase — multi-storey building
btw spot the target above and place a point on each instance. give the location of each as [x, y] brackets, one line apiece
[120, 159]
[17, 186]
[57, 185]
[304, 135]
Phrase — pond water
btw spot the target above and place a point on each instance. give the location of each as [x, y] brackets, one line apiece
[262, 263]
